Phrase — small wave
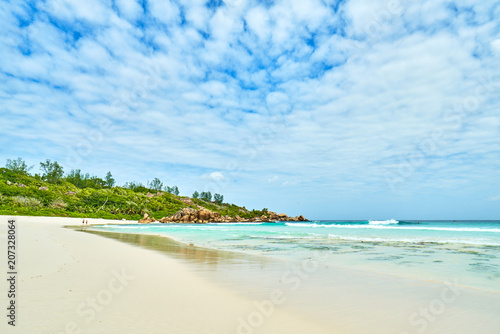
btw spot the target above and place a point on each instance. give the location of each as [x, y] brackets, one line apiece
[383, 222]
[423, 228]
[306, 225]
[416, 241]
[283, 237]
[390, 226]
[121, 227]
[234, 224]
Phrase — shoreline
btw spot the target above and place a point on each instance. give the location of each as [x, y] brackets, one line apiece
[264, 258]
[343, 266]
[78, 282]
[61, 269]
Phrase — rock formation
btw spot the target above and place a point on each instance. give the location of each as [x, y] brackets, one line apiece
[202, 215]
[146, 219]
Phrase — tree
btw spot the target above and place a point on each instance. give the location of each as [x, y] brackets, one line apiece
[85, 180]
[156, 184]
[52, 171]
[172, 190]
[218, 198]
[94, 182]
[110, 181]
[136, 187]
[18, 166]
[206, 196]
[76, 177]
[196, 194]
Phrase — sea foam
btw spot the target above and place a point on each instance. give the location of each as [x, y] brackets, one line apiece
[383, 222]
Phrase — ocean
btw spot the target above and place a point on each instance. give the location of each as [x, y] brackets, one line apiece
[464, 252]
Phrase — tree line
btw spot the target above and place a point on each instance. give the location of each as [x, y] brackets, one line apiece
[53, 172]
[207, 196]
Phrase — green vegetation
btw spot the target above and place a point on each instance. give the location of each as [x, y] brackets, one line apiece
[218, 198]
[206, 196]
[230, 210]
[52, 171]
[83, 195]
[18, 166]
[156, 184]
[172, 190]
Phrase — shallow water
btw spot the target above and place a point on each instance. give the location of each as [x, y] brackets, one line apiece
[464, 251]
[343, 300]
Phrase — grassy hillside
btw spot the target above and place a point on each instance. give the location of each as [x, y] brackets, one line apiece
[24, 194]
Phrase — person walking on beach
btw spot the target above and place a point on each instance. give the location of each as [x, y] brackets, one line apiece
[87, 222]
[83, 222]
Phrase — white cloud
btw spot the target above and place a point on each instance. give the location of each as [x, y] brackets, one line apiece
[258, 20]
[164, 10]
[215, 176]
[131, 9]
[93, 11]
[495, 47]
[273, 179]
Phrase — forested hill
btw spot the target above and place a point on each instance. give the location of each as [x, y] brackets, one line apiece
[81, 195]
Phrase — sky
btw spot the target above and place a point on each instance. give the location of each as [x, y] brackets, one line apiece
[358, 109]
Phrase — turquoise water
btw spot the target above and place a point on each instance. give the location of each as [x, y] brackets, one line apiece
[467, 252]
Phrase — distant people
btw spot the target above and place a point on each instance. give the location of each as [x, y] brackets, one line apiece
[87, 222]
[83, 222]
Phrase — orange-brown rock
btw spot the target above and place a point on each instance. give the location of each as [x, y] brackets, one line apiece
[146, 219]
[203, 215]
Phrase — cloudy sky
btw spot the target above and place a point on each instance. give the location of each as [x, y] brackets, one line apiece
[359, 109]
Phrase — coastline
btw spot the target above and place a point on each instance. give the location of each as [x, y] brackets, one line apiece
[60, 269]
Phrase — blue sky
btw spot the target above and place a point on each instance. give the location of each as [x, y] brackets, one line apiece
[333, 109]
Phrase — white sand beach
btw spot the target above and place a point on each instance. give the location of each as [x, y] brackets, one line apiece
[81, 283]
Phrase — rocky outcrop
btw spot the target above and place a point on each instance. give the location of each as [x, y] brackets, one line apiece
[43, 188]
[190, 215]
[186, 200]
[146, 219]
[273, 216]
[202, 215]
[69, 193]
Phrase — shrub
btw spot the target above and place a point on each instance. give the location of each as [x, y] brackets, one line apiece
[58, 204]
[28, 202]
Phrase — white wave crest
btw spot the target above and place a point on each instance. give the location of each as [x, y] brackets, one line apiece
[234, 224]
[305, 225]
[383, 222]
[473, 242]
